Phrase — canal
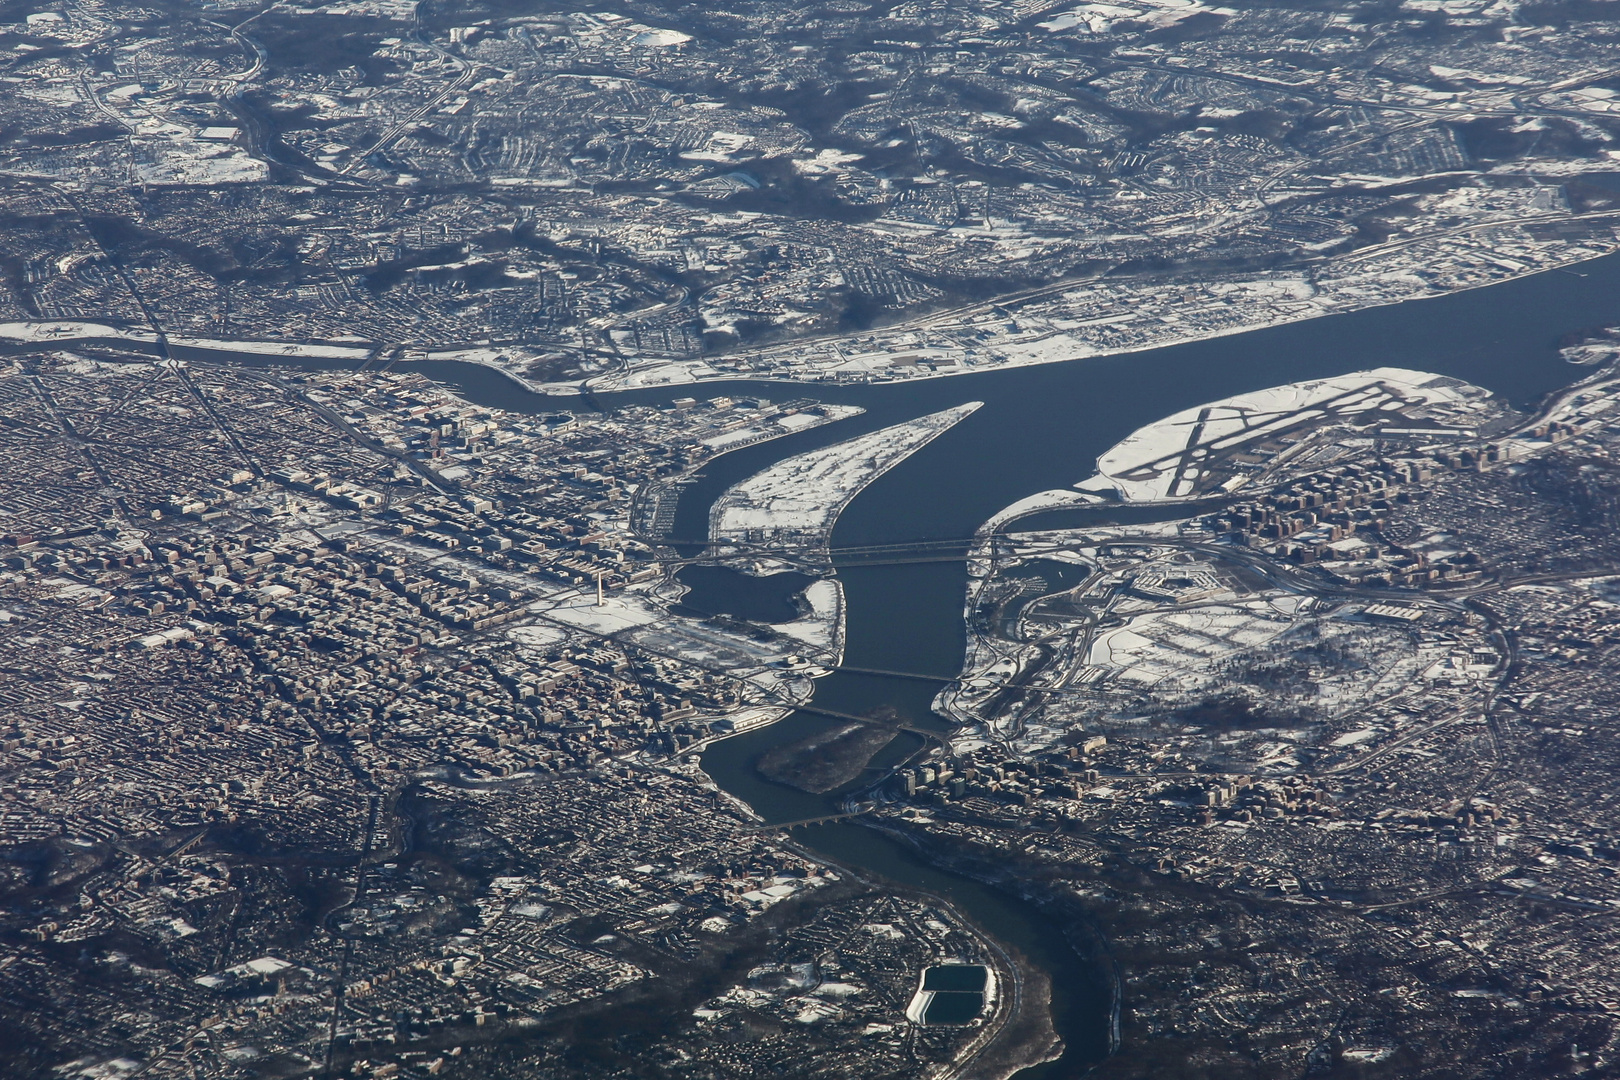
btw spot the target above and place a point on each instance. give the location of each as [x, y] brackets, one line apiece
[1043, 427]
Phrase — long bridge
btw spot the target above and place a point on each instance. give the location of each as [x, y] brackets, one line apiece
[954, 549]
[800, 822]
[808, 548]
[893, 674]
[920, 677]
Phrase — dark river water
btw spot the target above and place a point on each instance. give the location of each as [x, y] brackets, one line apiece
[719, 590]
[1043, 427]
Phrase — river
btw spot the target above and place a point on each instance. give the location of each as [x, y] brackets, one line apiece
[1043, 427]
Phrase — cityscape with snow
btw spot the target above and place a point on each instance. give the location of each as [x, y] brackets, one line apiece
[905, 540]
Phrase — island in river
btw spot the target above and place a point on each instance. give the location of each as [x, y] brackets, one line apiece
[826, 760]
[1148, 896]
[1041, 430]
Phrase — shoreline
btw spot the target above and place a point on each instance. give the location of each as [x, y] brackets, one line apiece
[344, 354]
[827, 378]
[1047, 1043]
[913, 435]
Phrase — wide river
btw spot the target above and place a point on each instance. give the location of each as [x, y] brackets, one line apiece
[1043, 427]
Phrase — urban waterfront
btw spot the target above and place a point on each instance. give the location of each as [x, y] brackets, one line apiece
[966, 541]
[1042, 427]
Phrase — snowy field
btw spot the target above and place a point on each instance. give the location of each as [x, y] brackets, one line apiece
[1165, 460]
[804, 495]
[1037, 503]
[781, 425]
[823, 628]
[617, 612]
[70, 331]
[67, 331]
[1183, 646]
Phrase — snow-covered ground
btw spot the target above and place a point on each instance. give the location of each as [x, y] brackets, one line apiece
[1106, 318]
[659, 373]
[1037, 503]
[618, 611]
[1160, 461]
[1589, 404]
[67, 331]
[290, 349]
[823, 627]
[1102, 317]
[779, 426]
[167, 158]
[70, 331]
[1165, 460]
[1181, 646]
[803, 495]
[783, 666]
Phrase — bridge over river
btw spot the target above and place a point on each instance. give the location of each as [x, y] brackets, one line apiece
[824, 819]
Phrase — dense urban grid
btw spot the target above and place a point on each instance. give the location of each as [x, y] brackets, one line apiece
[348, 728]
[843, 191]
[1319, 819]
[323, 753]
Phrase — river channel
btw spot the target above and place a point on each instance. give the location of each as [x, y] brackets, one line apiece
[1043, 427]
